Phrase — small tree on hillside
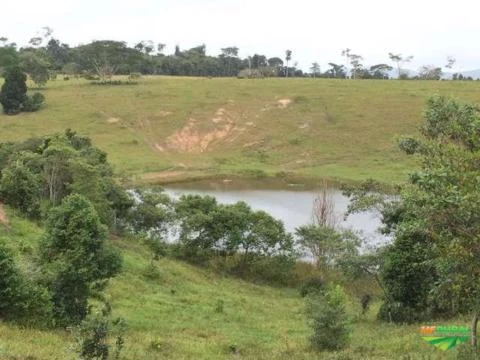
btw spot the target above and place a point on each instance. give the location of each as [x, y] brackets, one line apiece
[75, 258]
[14, 91]
[328, 318]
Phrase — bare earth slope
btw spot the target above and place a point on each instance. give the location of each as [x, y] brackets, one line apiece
[197, 126]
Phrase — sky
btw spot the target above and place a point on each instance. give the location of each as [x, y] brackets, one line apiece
[315, 30]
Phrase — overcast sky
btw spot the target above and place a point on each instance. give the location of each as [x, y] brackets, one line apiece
[314, 30]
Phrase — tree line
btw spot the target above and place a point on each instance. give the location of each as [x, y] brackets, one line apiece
[46, 56]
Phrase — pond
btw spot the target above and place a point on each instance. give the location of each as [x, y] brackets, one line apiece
[290, 203]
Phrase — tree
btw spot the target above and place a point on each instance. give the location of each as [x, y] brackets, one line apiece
[336, 71]
[315, 69]
[145, 46]
[20, 188]
[35, 41]
[324, 240]
[161, 48]
[152, 214]
[97, 335]
[8, 56]
[380, 71]
[58, 53]
[442, 200]
[177, 52]
[14, 91]
[105, 58]
[249, 232]
[206, 226]
[356, 64]
[36, 65]
[327, 316]
[346, 53]
[450, 62]
[229, 54]
[430, 72]
[20, 299]
[288, 57]
[75, 257]
[259, 61]
[325, 244]
[275, 62]
[399, 60]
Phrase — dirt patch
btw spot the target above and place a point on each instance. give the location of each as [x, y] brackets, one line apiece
[250, 123]
[3, 215]
[192, 139]
[113, 120]
[159, 147]
[283, 103]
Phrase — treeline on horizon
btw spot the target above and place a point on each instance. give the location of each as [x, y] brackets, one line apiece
[45, 56]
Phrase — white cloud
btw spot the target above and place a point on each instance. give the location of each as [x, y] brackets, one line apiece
[315, 30]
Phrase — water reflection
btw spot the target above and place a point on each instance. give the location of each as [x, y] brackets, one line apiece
[292, 205]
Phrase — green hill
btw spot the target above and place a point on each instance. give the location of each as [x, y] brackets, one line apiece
[168, 128]
[186, 312]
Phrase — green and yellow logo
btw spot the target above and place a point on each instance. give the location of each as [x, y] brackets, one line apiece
[445, 337]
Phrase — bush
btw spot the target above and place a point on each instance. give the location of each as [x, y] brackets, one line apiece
[76, 258]
[94, 336]
[328, 319]
[312, 286]
[33, 103]
[20, 188]
[20, 300]
[14, 91]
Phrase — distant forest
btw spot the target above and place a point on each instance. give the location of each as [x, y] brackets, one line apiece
[45, 56]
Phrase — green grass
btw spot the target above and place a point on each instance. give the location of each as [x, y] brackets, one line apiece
[174, 316]
[332, 128]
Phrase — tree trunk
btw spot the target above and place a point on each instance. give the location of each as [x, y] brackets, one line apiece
[473, 334]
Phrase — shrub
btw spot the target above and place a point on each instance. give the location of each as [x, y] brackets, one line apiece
[328, 319]
[94, 336]
[20, 188]
[20, 300]
[34, 102]
[14, 91]
[76, 258]
[311, 286]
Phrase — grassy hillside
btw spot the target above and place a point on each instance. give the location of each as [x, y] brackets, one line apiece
[173, 316]
[173, 127]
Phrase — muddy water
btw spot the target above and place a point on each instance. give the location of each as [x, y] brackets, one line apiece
[290, 203]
